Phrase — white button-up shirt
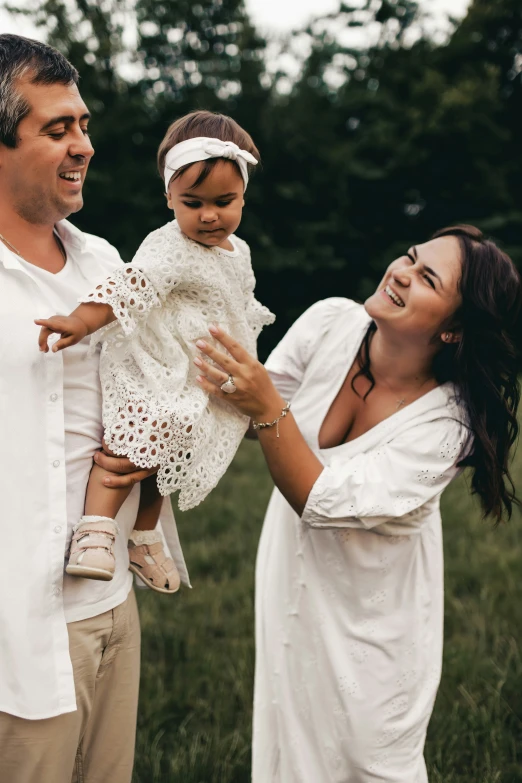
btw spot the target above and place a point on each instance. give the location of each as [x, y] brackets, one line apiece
[50, 420]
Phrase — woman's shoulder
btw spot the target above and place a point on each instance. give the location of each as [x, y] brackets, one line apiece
[335, 305]
[308, 335]
[326, 313]
[438, 418]
[445, 402]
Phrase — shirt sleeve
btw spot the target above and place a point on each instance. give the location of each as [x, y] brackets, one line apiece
[288, 361]
[133, 290]
[106, 254]
[390, 484]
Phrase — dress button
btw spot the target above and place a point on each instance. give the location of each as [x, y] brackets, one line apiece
[56, 463]
[57, 529]
[53, 397]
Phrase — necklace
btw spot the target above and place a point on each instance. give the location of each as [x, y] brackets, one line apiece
[13, 248]
[400, 402]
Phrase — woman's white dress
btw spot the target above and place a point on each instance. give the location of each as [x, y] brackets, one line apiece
[349, 598]
[154, 411]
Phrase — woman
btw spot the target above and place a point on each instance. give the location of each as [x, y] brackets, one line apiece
[388, 402]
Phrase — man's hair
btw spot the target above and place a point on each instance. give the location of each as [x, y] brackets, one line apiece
[204, 123]
[25, 58]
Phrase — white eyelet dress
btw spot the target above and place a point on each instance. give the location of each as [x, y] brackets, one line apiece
[349, 597]
[154, 411]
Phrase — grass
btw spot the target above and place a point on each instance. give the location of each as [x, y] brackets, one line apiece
[198, 646]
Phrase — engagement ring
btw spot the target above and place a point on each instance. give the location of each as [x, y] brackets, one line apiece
[229, 386]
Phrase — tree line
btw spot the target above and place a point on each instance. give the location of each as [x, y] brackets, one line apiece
[373, 147]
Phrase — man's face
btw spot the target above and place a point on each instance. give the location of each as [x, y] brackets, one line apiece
[42, 177]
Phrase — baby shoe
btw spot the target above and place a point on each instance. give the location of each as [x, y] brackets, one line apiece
[91, 554]
[150, 562]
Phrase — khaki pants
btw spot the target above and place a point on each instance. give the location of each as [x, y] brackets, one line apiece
[95, 744]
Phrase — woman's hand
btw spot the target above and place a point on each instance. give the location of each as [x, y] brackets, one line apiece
[255, 395]
[293, 465]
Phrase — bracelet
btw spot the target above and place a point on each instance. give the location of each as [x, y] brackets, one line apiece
[260, 425]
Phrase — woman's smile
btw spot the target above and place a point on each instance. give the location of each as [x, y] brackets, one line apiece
[392, 296]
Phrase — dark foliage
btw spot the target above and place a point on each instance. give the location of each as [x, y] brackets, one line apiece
[417, 136]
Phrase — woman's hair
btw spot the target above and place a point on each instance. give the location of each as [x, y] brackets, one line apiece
[483, 365]
[212, 125]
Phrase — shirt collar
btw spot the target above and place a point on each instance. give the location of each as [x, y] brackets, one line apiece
[69, 234]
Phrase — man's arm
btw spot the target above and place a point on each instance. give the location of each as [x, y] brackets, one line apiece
[129, 474]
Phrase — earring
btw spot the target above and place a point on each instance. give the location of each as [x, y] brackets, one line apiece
[446, 337]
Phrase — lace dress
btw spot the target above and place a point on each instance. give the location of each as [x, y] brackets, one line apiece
[154, 412]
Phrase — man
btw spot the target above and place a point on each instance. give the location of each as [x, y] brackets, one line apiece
[69, 647]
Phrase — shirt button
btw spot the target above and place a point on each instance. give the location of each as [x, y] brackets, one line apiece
[57, 590]
[56, 463]
[57, 529]
[53, 397]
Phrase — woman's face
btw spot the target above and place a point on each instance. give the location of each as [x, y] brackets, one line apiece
[419, 294]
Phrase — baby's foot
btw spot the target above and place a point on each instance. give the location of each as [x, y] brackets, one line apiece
[91, 553]
[149, 560]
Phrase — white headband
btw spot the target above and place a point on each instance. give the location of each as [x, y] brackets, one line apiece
[203, 148]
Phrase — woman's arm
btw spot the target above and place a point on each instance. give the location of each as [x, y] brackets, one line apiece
[292, 464]
[359, 491]
[86, 319]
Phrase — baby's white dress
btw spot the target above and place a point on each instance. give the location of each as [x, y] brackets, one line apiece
[349, 596]
[154, 411]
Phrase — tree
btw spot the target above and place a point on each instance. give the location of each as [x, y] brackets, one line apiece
[385, 136]
[179, 56]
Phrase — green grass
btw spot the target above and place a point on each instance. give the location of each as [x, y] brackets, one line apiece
[198, 647]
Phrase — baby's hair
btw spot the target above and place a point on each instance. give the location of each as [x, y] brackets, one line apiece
[204, 123]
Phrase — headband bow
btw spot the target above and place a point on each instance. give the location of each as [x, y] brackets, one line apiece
[203, 148]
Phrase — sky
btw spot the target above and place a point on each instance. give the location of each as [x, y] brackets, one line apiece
[270, 16]
[285, 15]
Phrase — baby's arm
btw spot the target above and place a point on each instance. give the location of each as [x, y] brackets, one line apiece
[86, 319]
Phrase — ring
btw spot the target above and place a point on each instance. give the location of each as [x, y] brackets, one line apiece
[229, 387]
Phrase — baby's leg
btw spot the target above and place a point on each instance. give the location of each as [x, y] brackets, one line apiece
[148, 557]
[101, 500]
[150, 505]
[91, 552]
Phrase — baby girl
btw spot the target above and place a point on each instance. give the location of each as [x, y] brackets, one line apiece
[147, 316]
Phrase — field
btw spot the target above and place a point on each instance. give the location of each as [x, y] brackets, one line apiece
[198, 649]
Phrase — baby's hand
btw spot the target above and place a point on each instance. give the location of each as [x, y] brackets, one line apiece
[72, 329]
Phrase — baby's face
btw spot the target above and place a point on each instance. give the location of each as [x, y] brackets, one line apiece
[211, 212]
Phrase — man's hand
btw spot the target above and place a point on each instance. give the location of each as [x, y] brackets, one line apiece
[128, 474]
[71, 328]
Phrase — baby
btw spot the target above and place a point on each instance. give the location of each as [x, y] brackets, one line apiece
[188, 274]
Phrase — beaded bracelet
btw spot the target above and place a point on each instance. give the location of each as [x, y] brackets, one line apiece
[260, 425]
